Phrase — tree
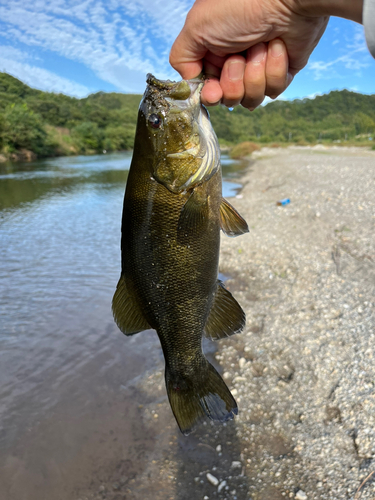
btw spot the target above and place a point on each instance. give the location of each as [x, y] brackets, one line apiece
[88, 136]
[23, 129]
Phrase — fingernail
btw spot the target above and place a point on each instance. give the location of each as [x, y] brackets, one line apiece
[277, 48]
[257, 54]
[236, 70]
[289, 79]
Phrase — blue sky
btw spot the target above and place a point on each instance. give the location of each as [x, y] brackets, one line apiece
[80, 47]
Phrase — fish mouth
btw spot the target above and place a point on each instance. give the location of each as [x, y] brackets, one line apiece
[181, 95]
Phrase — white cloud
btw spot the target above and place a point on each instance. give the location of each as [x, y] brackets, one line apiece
[355, 59]
[120, 41]
[313, 95]
[12, 61]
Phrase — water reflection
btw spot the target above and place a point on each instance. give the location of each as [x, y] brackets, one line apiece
[66, 373]
[25, 183]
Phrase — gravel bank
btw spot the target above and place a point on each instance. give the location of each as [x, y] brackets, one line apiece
[303, 370]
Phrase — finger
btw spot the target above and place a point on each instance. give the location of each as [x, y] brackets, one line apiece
[187, 51]
[217, 61]
[211, 93]
[276, 68]
[231, 80]
[255, 76]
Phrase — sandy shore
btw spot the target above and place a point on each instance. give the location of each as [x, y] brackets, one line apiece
[303, 371]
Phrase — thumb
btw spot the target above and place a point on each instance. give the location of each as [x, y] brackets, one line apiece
[186, 55]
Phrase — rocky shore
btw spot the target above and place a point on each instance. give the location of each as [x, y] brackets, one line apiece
[303, 371]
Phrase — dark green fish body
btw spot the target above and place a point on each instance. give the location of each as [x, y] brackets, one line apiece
[172, 216]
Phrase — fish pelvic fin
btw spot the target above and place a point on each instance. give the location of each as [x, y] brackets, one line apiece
[226, 315]
[199, 395]
[231, 222]
[126, 312]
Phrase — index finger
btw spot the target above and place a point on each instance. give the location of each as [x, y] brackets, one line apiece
[186, 56]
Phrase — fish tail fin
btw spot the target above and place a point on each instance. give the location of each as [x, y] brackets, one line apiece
[197, 395]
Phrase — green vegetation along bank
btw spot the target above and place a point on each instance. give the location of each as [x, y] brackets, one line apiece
[35, 123]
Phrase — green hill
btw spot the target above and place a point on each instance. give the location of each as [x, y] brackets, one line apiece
[55, 124]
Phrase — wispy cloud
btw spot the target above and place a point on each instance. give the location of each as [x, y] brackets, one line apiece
[13, 61]
[120, 41]
[355, 58]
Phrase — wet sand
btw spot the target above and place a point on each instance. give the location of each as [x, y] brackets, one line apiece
[302, 371]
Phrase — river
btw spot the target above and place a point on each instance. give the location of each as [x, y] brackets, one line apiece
[65, 368]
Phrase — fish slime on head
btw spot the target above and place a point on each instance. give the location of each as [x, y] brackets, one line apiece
[172, 216]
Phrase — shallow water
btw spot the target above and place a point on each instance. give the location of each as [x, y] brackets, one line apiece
[63, 362]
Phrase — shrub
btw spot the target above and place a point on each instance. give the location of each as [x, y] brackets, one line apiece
[87, 137]
[243, 149]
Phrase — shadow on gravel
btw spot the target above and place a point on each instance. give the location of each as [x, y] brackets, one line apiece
[214, 449]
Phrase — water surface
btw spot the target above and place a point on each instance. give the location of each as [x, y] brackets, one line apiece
[66, 371]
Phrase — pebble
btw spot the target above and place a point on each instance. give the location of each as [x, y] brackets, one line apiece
[221, 486]
[301, 495]
[212, 479]
[218, 448]
[236, 464]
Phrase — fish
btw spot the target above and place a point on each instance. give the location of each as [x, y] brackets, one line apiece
[172, 216]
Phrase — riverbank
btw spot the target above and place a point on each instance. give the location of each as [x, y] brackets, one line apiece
[303, 369]
[25, 155]
[84, 412]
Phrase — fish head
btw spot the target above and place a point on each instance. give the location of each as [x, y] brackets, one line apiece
[181, 141]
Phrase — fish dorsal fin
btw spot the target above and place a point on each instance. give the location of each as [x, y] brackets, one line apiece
[231, 222]
[226, 316]
[194, 215]
[126, 311]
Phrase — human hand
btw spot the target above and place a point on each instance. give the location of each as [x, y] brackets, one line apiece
[249, 48]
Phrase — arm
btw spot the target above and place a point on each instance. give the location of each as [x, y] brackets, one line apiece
[369, 24]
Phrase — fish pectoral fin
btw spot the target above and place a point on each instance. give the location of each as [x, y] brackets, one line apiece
[126, 311]
[226, 315]
[194, 215]
[231, 222]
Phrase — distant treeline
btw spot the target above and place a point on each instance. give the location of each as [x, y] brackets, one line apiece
[49, 124]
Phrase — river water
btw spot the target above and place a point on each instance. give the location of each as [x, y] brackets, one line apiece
[65, 368]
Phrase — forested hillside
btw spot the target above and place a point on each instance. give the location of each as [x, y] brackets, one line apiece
[50, 124]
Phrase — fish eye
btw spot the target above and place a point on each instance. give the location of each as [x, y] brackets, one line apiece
[154, 120]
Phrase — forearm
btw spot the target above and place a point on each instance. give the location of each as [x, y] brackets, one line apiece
[348, 9]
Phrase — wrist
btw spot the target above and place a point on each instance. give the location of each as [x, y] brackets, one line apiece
[347, 9]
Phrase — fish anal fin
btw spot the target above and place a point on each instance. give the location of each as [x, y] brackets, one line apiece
[226, 315]
[126, 312]
[231, 222]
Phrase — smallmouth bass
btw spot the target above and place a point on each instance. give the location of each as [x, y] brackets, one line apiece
[172, 215]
